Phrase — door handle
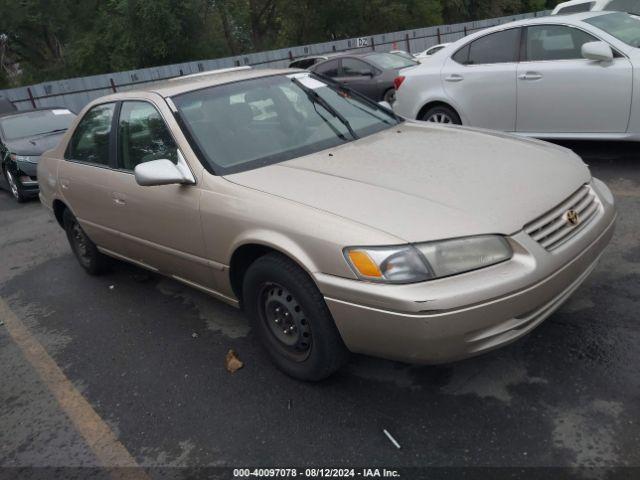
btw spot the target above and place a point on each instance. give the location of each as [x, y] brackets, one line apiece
[530, 76]
[454, 77]
[119, 199]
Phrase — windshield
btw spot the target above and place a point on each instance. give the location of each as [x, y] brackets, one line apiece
[624, 27]
[252, 123]
[389, 60]
[31, 124]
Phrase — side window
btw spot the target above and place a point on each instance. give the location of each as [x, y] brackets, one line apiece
[581, 7]
[90, 141]
[462, 55]
[143, 136]
[555, 42]
[352, 67]
[330, 68]
[499, 47]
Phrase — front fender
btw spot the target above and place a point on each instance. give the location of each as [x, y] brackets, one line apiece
[276, 241]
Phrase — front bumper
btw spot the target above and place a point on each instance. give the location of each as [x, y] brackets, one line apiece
[458, 317]
[27, 175]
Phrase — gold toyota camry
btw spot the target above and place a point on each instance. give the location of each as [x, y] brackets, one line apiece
[336, 225]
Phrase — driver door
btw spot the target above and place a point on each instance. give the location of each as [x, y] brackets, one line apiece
[160, 225]
[559, 91]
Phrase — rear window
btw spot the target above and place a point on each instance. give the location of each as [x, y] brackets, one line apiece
[304, 62]
[581, 7]
[498, 47]
[622, 26]
[629, 6]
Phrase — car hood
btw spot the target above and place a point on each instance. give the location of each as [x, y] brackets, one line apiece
[35, 145]
[420, 182]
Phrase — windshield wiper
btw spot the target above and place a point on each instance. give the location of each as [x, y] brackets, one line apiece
[52, 131]
[383, 120]
[331, 125]
[315, 97]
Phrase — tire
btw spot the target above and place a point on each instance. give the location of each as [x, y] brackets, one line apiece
[389, 96]
[14, 186]
[442, 114]
[291, 319]
[83, 248]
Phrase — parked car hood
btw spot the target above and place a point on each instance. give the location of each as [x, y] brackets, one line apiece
[420, 182]
[35, 145]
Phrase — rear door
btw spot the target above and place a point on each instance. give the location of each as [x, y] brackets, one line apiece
[559, 91]
[359, 75]
[330, 68]
[86, 175]
[480, 79]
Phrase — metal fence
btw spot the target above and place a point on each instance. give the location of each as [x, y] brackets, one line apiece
[75, 93]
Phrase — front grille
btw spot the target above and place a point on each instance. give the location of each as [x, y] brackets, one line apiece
[552, 229]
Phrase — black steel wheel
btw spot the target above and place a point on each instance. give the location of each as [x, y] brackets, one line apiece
[291, 318]
[285, 319]
[84, 249]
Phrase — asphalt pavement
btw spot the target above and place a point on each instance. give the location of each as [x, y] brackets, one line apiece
[127, 369]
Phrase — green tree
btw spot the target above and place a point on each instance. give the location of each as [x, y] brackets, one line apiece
[52, 39]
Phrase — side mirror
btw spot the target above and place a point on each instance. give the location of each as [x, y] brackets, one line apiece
[597, 51]
[386, 105]
[162, 172]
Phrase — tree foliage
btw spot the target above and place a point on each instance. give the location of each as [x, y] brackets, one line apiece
[51, 39]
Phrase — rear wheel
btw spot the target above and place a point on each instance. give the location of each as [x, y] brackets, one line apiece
[14, 186]
[84, 249]
[390, 96]
[441, 114]
[291, 319]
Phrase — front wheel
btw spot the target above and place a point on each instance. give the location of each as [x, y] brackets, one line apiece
[441, 114]
[84, 249]
[14, 186]
[291, 319]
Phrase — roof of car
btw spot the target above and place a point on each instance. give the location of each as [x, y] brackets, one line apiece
[187, 83]
[570, 3]
[560, 19]
[578, 17]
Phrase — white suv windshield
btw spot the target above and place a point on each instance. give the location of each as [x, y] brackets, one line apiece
[624, 27]
[249, 124]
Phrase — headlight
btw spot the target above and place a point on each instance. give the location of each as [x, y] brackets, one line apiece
[426, 261]
[388, 264]
[25, 158]
[450, 257]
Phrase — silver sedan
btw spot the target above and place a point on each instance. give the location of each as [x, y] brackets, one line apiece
[560, 77]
